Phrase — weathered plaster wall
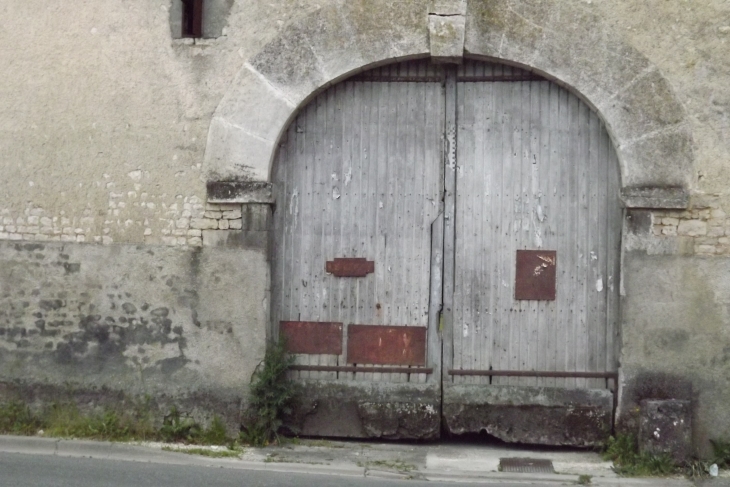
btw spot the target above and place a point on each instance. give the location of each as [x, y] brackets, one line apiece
[140, 319]
[676, 341]
[106, 116]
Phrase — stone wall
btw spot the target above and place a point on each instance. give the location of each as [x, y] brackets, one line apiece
[702, 230]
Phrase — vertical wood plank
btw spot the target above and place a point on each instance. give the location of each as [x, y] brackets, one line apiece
[449, 217]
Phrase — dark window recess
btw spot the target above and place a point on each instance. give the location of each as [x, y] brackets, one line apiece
[192, 21]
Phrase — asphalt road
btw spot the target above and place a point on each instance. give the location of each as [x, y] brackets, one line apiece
[21, 470]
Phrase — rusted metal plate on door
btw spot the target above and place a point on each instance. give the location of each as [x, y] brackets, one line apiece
[386, 345]
[312, 337]
[357, 267]
[535, 276]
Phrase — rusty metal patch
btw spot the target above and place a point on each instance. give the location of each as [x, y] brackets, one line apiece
[356, 267]
[525, 465]
[386, 345]
[312, 337]
[536, 275]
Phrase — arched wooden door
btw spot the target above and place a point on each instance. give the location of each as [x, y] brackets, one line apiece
[454, 231]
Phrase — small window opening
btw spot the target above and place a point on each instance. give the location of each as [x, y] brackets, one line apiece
[192, 21]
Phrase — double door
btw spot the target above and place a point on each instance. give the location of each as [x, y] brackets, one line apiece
[439, 224]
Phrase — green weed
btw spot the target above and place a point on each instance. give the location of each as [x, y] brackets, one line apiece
[721, 453]
[271, 395]
[17, 419]
[179, 428]
[584, 479]
[623, 450]
[66, 420]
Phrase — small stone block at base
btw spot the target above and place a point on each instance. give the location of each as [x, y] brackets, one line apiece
[666, 428]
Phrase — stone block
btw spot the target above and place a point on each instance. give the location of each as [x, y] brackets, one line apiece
[706, 249]
[655, 197]
[367, 410]
[240, 192]
[665, 428]
[233, 153]
[567, 417]
[232, 214]
[203, 223]
[692, 228]
[651, 102]
[715, 232]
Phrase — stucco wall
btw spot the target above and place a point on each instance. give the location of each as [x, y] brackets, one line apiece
[676, 341]
[103, 127]
[145, 320]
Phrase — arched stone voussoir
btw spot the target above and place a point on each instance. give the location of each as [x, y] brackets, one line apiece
[340, 39]
[567, 41]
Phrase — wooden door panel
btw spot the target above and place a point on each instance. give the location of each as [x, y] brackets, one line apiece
[536, 171]
[359, 176]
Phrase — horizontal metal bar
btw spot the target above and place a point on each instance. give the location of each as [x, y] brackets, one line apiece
[397, 79]
[535, 373]
[500, 79]
[353, 368]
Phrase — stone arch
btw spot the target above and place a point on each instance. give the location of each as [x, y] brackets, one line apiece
[564, 40]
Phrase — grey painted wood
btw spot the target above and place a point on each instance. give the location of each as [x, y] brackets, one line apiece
[450, 170]
[359, 175]
[536, 170]
[366, 169]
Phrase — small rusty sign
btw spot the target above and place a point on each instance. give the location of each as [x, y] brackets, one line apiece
[386, 345]
[536, 275]
[355, 267]
[312, 337]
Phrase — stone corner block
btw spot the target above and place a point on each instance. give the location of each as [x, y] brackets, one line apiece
[666, 198]
[240, 192]
[665, 428]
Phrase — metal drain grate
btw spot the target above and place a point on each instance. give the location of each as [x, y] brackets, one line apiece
[525, 465]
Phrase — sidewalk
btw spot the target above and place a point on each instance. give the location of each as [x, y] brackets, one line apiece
[436, 461]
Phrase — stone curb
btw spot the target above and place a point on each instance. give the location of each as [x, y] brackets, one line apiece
[151, 454]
